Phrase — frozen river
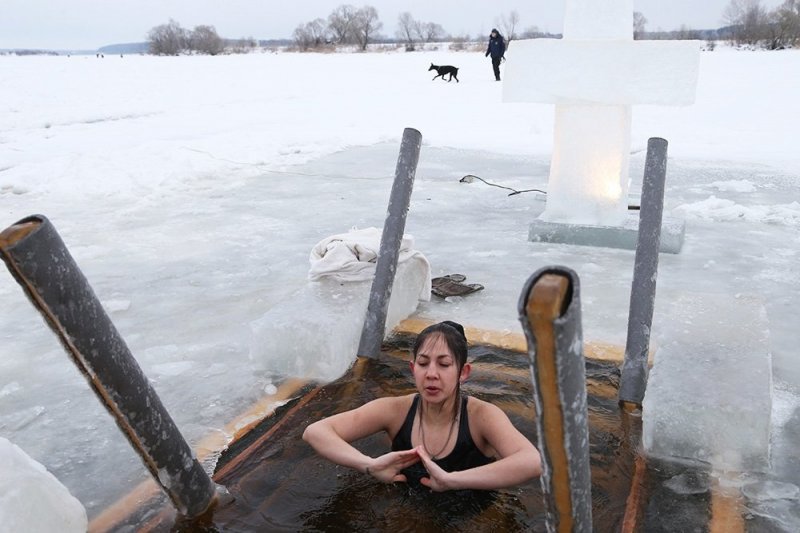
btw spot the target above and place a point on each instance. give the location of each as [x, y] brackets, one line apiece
[193, 214]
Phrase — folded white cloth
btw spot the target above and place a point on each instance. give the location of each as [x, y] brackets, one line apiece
[353, 256]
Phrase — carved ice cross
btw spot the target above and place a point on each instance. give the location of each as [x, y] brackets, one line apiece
[593, 76]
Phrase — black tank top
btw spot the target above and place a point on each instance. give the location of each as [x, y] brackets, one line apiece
[465, 454]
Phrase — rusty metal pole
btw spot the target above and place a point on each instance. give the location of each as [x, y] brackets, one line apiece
[550, 312]
[40, 262]
[399, 200]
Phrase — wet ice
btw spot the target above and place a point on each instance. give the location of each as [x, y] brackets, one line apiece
[199, 209]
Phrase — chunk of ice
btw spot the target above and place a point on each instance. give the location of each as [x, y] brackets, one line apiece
[32, 499]
[315, 334]
[709, 394]
[624, 236]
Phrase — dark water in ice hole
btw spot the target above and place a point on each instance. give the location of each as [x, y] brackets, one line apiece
[282, 485]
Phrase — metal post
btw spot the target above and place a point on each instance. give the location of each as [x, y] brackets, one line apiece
[645, 271]
[399, 200]
[550, 312]
[40, 262]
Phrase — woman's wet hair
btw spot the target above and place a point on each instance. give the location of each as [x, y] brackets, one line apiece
[453, 335]
[456, 340]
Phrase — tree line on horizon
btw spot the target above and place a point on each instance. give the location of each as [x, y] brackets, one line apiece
[749, 24]
[347, 25]
[171, 39]
[753, 25]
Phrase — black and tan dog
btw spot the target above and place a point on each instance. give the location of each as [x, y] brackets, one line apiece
[445, 69]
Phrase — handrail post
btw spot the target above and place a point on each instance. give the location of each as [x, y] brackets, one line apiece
[40, 262]
[550, 312]
[643, 288]
[399, 200]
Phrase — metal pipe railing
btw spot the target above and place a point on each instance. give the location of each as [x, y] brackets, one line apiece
[40, 262]
[550, 312]
[375, 323]
[645, 271]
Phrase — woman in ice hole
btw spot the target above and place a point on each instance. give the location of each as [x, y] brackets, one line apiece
[440, 438]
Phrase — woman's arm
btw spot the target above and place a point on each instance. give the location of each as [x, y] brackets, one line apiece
[331, 438]
[518, 461]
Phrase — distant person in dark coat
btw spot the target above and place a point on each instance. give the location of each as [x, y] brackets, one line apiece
[497, 49]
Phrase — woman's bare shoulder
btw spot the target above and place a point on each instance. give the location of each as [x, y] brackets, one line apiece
[481, 411]
[492, 430]
[393, 401]
[379, 414]
[389, 408]
[476, 405]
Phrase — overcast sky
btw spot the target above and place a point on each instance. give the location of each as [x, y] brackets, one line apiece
[90, 24]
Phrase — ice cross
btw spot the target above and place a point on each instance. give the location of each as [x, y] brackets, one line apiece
[593, 76]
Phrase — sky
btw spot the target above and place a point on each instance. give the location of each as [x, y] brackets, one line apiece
[90, 24]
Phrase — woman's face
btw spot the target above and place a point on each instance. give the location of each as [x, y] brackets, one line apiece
[435, 369]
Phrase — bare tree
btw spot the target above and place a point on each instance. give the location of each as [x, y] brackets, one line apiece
[419, 29]
[791, 6]
[302, 37]
[311, 34]
[406, 29]
[205, 40]
[430, 31]
[341, 23]
[784, 26]
[508, 26]
[167, 39]
[639, 23]
[748, 20]
[319, 31]
[365, 25]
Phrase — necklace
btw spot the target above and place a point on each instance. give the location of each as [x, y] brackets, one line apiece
[446, 442]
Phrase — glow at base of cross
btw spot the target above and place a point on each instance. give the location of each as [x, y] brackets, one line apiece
[32, 499]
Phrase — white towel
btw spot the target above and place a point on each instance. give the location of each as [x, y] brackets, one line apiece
[353, 256]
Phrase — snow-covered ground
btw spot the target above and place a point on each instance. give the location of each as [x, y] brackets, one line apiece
[191, 190]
